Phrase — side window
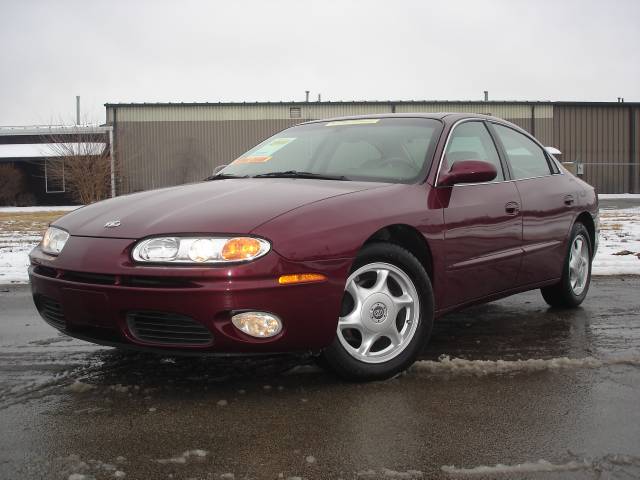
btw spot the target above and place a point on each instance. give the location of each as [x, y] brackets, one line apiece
[526, 158]
[471, 141]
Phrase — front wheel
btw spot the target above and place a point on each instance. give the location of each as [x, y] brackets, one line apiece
[386, 318]
[572, 288]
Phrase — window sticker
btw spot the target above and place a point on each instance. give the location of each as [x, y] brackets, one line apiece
[252, 159]
[363, 121]
[265, 152]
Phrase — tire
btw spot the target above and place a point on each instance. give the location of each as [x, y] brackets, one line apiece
[572, 288]
[386, 319]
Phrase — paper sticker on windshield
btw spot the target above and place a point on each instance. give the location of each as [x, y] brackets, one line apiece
[272, 147]
[362, 121]
[252, 159]
[265, 152]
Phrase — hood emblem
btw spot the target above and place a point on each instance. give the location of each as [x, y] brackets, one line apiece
[112, 224]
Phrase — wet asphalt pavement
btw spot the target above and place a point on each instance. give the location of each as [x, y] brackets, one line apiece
[75, 411]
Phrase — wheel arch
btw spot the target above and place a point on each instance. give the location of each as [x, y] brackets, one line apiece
[586, 219]
[409, 238]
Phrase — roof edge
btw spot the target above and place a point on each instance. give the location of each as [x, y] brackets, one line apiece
[371, 102]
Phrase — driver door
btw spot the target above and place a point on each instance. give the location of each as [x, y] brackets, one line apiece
[483, 224]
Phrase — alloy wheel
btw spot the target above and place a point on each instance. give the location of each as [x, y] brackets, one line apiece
[578, 265]
[380, 313]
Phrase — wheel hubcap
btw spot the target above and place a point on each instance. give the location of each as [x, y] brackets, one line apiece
[380, 313]
[578, 265]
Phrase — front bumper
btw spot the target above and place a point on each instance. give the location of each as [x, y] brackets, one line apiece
[93, 291]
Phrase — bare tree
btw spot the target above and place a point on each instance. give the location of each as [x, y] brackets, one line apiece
[82, 164]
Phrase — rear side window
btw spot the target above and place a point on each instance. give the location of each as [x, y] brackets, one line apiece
[526, 158]
[471, 141]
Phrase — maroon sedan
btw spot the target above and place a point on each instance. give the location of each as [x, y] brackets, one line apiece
[344, 237]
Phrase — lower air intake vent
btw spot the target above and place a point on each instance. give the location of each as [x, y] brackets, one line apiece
[167, 328]
[51, 311]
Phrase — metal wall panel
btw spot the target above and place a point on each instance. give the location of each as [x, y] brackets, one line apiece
[169, 144]
[158, 154]
[599, 139]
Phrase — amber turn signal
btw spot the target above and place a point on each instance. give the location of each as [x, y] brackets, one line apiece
[241, 248]
[301, 278]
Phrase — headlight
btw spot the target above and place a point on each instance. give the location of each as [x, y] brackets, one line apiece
[54, 240]
[197, 250]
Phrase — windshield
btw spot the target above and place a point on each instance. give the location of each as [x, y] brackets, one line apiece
[397, 150]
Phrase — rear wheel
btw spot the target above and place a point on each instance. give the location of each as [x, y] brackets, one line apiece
[572, 288]
[386, 318]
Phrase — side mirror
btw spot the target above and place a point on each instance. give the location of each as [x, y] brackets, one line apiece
[218, 169]
[553, 150]
[468, 171]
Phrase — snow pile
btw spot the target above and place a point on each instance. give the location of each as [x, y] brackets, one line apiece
[528, 467]
[610, 463]
[619, 246]
[447, 365]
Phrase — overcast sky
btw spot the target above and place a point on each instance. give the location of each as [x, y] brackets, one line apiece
[185, 51]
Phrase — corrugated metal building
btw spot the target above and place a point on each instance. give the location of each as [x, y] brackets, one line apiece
[162, 144]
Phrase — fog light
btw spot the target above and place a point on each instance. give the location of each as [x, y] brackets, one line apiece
[257, 324]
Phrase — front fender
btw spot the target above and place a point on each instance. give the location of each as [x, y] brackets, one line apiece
[338, 227]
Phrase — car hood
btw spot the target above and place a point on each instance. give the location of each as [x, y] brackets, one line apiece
[234, 206]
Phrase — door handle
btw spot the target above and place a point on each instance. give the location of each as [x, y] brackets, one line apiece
[512, 208]
[568, 200]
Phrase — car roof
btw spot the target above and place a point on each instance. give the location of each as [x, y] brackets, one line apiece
[447, 117]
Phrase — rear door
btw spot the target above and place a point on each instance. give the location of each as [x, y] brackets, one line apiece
[547, 205]
[483, 225]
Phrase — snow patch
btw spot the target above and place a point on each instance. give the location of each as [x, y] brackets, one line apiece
[52, 208]
[196, 453]
[528, 467]
[388, 473]
[80, 387]
[619, 196]
[409, 474]
[619, 232]
[447, 365]
[119, 388]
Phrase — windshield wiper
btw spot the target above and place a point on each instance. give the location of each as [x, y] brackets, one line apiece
[222, 176]
[299, 174]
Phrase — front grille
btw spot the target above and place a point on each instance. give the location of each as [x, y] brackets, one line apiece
[108, 279]
[52, 312]
[94, 278]
[167, 328]
[45, 271]
[159, 282]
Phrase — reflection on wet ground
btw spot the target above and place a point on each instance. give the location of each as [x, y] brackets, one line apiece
[68, 408]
